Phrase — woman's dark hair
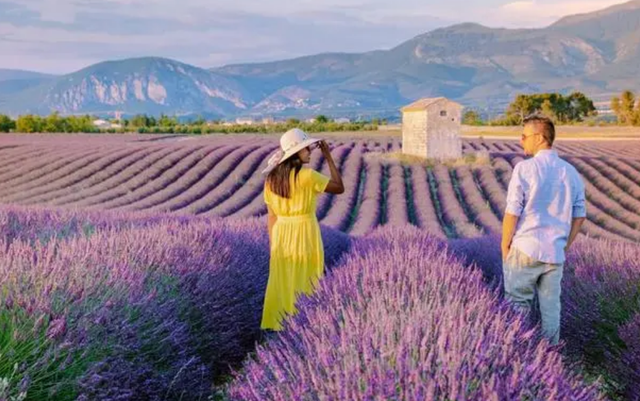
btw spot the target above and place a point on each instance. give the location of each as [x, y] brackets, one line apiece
[278, 178]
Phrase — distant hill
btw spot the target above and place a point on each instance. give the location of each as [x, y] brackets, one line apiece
[16, 81]
[141, 85]
[10, 75]
[598, 53]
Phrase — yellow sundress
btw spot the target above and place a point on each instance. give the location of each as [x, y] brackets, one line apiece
[297, 254]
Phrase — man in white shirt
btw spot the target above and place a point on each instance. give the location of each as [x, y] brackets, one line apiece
[545, 210]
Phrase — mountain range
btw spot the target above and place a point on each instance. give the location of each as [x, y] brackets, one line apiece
[481, 67]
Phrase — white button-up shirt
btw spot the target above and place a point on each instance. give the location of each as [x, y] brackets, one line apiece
[547, 193]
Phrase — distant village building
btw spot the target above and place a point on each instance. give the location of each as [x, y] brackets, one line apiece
[104, 124]
[342, 120]
[244, 121]
[268, 120]
[101, 123]
[431, 128]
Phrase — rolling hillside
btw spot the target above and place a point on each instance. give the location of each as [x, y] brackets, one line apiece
[598, 53]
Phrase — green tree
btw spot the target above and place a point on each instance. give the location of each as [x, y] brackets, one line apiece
[29, 123]
[322, 119]
[627, 106]
[559, 107]
[199, 121]
[547, 109]
[521, 107]
[471, 117]
[635, 118]
[624, 107]
[563, 109]
[140, 120]
[166, 121]
[80, 124]
[6, 123]
[54, 123]
[580, 106]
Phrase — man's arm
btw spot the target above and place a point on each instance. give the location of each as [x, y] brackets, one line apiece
[515, 206]
[579, 212]
[576, 223]
[509, 224]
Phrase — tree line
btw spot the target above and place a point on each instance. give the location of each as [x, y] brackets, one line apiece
[562, 109]
[32, 123]
[143, 123]
[574, 108]
[626, 108]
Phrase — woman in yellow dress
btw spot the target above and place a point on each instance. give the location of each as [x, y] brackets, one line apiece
[297, 254]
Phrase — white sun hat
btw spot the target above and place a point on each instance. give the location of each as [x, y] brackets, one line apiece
[291, 142]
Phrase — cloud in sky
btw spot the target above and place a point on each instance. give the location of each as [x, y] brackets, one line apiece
[65, 35]
[535, 13]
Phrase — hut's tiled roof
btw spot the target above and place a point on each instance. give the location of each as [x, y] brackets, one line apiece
[424, 103]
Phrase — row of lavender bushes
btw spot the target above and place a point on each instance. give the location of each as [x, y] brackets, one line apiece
[102, 306]
[129, 307]
[402, 318]
[600, 323]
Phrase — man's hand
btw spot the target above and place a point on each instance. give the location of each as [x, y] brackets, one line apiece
[508, 230]
[505, 251]
[576, 223]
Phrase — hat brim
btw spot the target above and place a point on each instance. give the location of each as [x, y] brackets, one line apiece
[298, 148]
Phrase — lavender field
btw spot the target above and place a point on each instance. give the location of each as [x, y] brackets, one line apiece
[219, 176]
[134, 268]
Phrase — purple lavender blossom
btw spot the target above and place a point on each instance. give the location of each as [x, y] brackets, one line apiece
[167, 302]
[402, 318]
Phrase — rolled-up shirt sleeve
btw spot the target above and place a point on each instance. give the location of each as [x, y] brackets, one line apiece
[579, 202]
[515, 192]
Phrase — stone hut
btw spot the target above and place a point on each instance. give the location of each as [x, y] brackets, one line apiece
[431, 128]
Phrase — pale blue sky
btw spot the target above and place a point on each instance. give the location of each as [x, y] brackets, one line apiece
[60, 36]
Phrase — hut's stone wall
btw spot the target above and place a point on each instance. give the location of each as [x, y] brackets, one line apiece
[414, 133]
[432, 131]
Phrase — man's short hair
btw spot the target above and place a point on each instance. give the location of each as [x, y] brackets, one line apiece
[544, 125]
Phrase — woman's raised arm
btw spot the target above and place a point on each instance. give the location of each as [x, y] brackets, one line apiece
[335, 185]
